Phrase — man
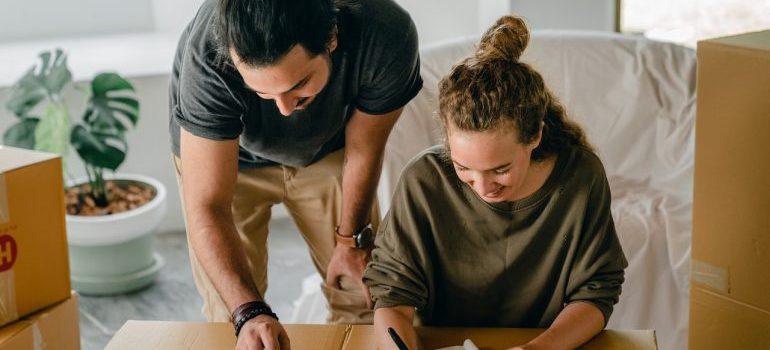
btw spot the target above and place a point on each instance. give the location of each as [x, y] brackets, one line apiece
[276, 101]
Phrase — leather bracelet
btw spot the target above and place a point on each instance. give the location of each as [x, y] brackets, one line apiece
[249, 310]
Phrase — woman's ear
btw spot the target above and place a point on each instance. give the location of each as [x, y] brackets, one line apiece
[536, 142]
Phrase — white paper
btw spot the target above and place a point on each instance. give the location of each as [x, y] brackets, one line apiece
[467, 345]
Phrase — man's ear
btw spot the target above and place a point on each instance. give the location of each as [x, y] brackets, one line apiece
[333, 41]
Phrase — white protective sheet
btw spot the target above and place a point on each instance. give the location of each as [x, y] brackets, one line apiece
[636, 100]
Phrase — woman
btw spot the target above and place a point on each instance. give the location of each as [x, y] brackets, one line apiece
[508, 224]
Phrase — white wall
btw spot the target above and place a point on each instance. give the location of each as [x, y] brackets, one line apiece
[171, 16]
[36, 19]
[438, 20]
[561, 14]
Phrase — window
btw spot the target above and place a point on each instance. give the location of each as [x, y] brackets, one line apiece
[687, 21]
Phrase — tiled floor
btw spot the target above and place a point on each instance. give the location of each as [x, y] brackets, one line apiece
[173, 296]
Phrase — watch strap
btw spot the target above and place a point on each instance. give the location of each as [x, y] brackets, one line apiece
[348, 241]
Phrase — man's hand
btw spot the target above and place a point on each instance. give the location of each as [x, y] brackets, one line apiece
[263, 332]
[350, 262]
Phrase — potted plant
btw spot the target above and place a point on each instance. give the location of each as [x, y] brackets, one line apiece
[110, 217]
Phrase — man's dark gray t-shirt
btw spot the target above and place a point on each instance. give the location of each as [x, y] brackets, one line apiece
[375, 69]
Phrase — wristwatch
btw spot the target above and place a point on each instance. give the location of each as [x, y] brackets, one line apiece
[362, 239]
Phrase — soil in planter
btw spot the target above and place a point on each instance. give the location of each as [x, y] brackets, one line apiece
[122, 195]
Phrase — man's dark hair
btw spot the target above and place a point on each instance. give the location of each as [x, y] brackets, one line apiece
[261, 32]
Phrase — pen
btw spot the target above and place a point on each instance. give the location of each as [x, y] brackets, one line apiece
[396, 339]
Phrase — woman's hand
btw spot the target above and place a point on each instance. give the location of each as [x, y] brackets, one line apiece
[575, 325]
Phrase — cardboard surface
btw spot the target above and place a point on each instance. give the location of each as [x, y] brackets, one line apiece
[731, 208]
[362, 338]
[216, 335]
[750, 41]
[747, 327]
[34, 268]
[53, 328]
[158, 335]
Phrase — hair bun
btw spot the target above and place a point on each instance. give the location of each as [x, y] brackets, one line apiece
[504, 40]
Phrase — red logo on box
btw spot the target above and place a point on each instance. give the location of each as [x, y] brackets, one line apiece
[7, 252]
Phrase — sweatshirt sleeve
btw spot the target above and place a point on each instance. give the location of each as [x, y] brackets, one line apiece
[597, 273]
[396, 275]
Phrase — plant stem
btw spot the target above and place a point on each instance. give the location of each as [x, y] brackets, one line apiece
[88, 173]
[101, 199]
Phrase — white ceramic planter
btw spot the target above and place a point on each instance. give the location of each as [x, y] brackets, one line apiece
[121, 227]
[114, 254]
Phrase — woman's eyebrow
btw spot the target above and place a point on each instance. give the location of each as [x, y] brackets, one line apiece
[491, 169]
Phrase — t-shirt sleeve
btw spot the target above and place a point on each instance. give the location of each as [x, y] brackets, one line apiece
[598, 271]
[396, 275]
[392, 76]
[208, 102]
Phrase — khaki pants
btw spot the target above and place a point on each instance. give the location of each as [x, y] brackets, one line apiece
[313, 197]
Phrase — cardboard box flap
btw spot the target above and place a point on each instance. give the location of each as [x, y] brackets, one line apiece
[55, 327]
[723, 323]
[362, 338]
[216, 335]
[14, 158]
[754, 41]
[12, 330]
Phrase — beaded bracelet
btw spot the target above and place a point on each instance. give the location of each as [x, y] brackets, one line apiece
[249, 310]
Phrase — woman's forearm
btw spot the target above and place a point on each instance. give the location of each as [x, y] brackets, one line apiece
[575, 325]
[400, 318]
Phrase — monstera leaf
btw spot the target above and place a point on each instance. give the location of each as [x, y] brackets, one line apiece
[108, 110]
[101, 150]
[43, 80]
[52, 133]
[22, 134]
[100, 140]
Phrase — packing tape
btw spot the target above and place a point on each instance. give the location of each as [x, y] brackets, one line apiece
[5, 217]
[8, 311]
[710, 275]
[38, 343]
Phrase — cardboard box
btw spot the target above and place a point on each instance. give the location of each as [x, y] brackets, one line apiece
[149, 335]
[34, 270]
[53, 328]
[749, 327]
[730, 289]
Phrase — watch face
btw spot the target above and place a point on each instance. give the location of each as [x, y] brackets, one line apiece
[364, 238]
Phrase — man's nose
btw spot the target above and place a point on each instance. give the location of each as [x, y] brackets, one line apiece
[286, 104]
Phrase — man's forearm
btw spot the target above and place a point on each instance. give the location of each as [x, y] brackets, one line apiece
[360, 175]
[218, 249]
[209, 170]
[365, 139]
